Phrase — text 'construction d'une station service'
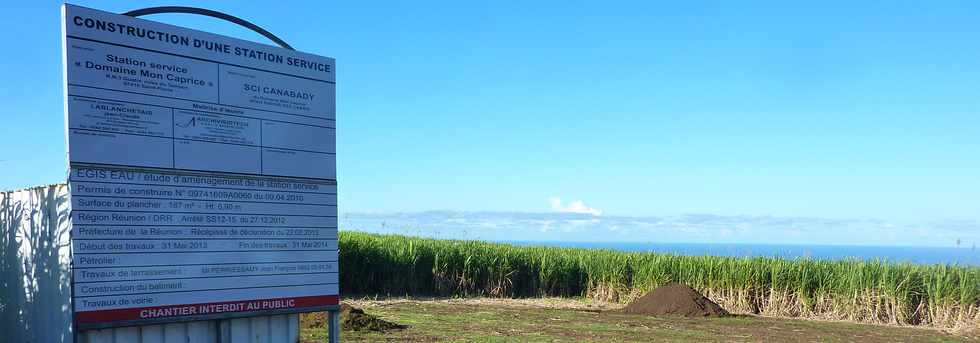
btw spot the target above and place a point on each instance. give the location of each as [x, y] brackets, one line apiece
[202, 173]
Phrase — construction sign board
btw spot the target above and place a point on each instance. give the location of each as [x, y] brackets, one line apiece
[202, 173]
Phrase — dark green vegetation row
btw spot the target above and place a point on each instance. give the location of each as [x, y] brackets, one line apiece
[880, 292]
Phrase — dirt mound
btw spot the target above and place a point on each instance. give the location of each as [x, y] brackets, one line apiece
[675, 299]
[354, 319]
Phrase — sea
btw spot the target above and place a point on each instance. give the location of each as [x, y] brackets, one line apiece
[964, 256]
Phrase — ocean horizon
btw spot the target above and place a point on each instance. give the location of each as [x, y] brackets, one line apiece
[964, 256]
[694, 235]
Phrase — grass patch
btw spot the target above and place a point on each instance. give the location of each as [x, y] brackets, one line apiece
[489, 321]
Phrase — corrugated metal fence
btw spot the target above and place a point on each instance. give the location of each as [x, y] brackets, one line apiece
[34, 262]
[35, 284]
[282, 328]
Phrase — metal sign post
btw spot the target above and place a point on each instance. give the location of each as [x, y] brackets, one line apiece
[202, 173]
[333, 327]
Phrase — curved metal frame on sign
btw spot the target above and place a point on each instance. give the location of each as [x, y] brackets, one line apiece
[209, 13]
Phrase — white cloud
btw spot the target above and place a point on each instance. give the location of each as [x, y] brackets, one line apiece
[546, 225]
[576, 206]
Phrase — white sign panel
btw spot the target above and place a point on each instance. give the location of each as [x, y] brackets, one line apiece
[203, 173]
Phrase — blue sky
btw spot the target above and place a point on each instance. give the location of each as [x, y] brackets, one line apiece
[863, 111]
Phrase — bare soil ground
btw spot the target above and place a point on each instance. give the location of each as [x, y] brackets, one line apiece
[570, 320]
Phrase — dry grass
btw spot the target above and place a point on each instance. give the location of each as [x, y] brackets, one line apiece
[580, 304]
